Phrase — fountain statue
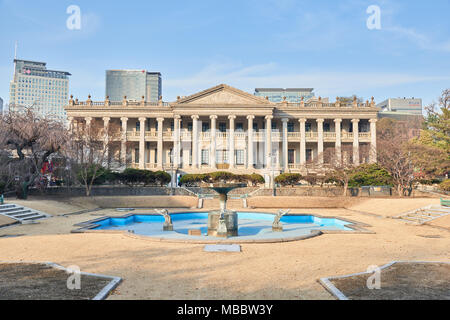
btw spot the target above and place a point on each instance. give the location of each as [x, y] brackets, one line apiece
[223, 223]
[168, 225]
[277, 226]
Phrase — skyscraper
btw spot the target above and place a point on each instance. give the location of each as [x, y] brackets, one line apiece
[34, 85]
[134, 84]
[293, 95]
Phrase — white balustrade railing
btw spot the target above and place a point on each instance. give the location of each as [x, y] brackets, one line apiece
[257, 136]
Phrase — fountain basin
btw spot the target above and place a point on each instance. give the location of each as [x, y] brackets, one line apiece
[223, 223]
[253, 227]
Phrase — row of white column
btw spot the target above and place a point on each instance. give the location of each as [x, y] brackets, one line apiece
[250, 146]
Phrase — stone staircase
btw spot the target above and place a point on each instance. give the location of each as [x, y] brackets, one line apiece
[22, 214]
[424, 215]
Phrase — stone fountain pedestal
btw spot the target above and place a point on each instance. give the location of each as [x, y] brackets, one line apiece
[223, 223]
[224, 229]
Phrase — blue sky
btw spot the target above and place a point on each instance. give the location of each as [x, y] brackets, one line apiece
[246, 44]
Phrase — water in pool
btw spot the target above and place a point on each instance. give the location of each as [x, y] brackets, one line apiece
[252, 226]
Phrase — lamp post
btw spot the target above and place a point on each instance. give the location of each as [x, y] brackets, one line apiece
[171, 169]
[272, 159]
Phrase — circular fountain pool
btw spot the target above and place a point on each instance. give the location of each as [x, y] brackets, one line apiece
[253, 226]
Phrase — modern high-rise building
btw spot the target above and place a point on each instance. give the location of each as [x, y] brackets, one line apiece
[293, 95]
[134, 84]
[34, 85]
[407, 106]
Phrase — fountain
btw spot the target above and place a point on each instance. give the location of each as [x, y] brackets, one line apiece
[223, 223]
[168, 225]
[277, 226]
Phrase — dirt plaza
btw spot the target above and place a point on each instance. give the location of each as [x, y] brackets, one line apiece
[288, 270]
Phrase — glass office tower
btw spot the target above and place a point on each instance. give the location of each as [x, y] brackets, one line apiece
[34, 85]
[134, 84]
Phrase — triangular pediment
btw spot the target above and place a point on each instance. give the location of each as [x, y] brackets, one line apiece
[223, 95]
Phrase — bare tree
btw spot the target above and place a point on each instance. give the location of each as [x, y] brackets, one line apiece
[88, 150]
[431, 150]
[340, 169]
[29, 140]
[7, 173]
[393, 153]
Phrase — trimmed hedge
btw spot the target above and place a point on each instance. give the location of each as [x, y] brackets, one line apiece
[195, 179]
[370, 175]
[133, 177]
[286, 179]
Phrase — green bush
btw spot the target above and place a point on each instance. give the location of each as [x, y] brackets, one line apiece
[2, 187]
[221, 176]
[195, 179]
[445, 185]
[162, 178]
[286, 179]
[369, 175]
[190, 179]
[133, 177]
[256, 178]
[103, 175]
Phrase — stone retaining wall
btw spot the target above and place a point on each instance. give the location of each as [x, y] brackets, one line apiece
[110, 191]
[140, 201]
[301, 202]
[304, 191]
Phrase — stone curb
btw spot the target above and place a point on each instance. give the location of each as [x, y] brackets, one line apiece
[102, 295]
[86, 227]
[329, 286]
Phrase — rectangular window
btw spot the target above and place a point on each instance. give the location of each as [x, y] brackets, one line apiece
[308, 155]
[205, 127]
[290, 127]
[326, 127]
[138, 126]
[222, 156]
[308, 127]
[222, 127]
[239, 157]
[205, 156]
[190, 126]
[239, 127]
[136, 155]
[291, 156]
[255, 127]
[274, 126]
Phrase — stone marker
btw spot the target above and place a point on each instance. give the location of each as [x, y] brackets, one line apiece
[195, 232]
[222, 248]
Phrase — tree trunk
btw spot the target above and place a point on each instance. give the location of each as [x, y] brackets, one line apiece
[88, 190]
[345, 189]
[400, 190]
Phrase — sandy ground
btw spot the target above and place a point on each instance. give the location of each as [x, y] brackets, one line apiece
[392, 207]
[6, 221]
[158, 270]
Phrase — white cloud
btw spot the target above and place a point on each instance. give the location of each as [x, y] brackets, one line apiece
[421, 40]
[266, 75]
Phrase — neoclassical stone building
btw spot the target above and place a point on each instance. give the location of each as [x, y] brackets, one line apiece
[223, 128]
